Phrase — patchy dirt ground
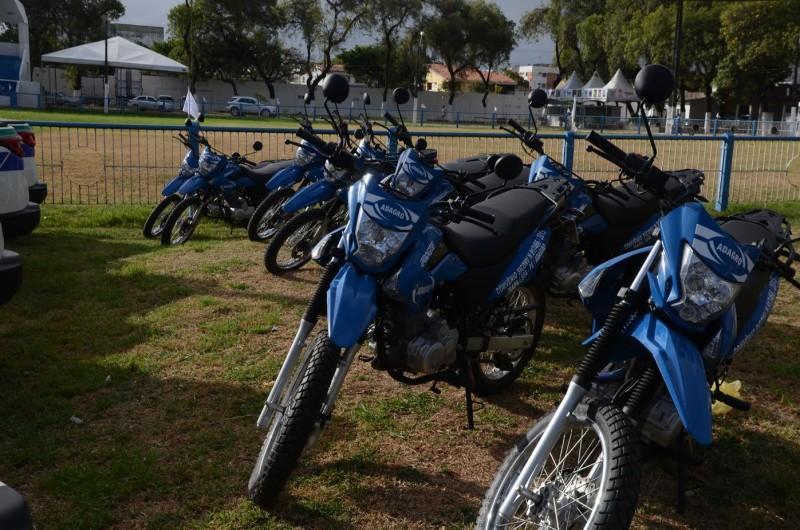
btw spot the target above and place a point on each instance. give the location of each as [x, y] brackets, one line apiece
[133, 376]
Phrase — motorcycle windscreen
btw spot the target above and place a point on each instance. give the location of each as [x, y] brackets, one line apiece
[351, 305]
[682, 369]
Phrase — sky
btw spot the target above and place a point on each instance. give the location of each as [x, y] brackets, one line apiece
[154, 12]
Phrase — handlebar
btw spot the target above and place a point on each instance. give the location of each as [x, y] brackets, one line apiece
[642, 170]
[517, 127]
[391, 119]
[615, 154]
[316, 141]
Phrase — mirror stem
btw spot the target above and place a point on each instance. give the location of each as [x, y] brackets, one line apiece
[533, 121]
[397, 105]
[649, 136]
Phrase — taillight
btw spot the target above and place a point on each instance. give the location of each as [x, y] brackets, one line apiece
[28, 137]
[13, 144]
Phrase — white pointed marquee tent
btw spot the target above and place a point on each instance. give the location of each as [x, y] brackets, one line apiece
[566, 90]
[619, 89]
[593, 88]
[122, 53]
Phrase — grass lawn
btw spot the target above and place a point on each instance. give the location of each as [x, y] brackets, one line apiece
[133, 375]
[215, 120]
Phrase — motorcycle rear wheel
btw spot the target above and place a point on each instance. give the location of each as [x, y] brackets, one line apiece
[290, 432]
[490, 378]
[567, 493]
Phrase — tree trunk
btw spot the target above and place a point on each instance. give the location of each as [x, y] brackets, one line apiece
[558, 60]
[387, 60]
[232, 83]
[708, 92]
[270, 87]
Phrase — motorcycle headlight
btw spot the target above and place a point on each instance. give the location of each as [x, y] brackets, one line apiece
[186, 167]
[304, 156]
[705, 295]
[208, 162]
[375, 243]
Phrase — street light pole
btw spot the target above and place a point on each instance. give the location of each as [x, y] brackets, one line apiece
[105, 71]
[676, 50]
[417, 82]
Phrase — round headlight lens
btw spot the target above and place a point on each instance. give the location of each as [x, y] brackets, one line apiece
[375, 243]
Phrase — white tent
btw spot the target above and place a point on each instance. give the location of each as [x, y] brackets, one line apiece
[122, 53]
[619, 89]
[566, 90]
[593, 88]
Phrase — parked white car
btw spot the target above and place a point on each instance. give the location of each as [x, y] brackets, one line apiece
[37, 190]
[241, 105]
[18, 216]
[162, 103]
[61, 99]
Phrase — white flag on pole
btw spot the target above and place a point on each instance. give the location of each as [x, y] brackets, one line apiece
[190, 105]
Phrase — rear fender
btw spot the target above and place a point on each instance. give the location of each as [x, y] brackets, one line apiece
[286, 177]
[174, 185]
[193, 185]
[351, 305]
[681, 367]
[318, 192]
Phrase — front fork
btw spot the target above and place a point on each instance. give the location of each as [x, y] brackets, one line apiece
[589, 366]
[315, 306]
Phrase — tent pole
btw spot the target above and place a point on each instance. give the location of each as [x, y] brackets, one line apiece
[105, 73]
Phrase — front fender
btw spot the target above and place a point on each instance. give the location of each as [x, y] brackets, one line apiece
[173, 185]
[318, 192]
[285, 178]
[193, 185]
[351, 305]
[681, 367]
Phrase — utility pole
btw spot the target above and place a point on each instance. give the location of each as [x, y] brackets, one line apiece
[676, 49]
[417, 81]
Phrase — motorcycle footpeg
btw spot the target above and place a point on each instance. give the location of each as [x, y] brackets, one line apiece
[732, 402]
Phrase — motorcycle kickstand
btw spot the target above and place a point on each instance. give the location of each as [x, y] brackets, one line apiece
[468, 385]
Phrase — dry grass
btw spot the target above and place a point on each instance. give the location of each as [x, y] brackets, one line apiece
[166, 355]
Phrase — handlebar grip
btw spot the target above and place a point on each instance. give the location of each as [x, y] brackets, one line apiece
[391, 119]
[344, 160]
[314, 140]
[517, 127]
[479, 215]
[600, 142]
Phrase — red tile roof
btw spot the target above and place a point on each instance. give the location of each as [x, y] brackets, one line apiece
[470, 75]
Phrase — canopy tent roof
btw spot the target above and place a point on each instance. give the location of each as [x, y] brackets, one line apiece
[568, 89]
[122, 53]
[595, 82]
[619, 89]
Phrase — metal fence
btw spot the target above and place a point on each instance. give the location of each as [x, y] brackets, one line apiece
[129, 164]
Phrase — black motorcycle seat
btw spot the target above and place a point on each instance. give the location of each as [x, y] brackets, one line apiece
[263, 172]
[516, 211]
[752, 227]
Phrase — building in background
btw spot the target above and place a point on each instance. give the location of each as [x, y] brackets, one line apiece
[144, 35]
[438, 77]
[539, 75]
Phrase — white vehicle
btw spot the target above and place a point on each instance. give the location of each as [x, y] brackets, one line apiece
[241, 105]
[10, 271]
[18, 216]
[150, 103]
[37, 190]
[167, 103]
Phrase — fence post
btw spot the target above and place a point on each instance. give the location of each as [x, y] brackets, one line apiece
[458, 119]
[422, 117]
[568, 149]
[754, 129]
[725, 165]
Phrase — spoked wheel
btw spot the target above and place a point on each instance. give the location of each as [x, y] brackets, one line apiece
[590, 479]
[289, 433]
[291, 246]
[182, 222]
[520, 313]
[158, 217]
[267, 218]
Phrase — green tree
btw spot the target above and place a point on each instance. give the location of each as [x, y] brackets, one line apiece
[364, 63]
[448, 30]
[491, 42]
[389, 17]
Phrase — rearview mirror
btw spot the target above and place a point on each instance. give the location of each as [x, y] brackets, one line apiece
[654, 83]
[359, 134]
[508, 167]
[401, 95]
[365, 99]
[257, 146]
[537, 98]
[307, 98]
[336, 88]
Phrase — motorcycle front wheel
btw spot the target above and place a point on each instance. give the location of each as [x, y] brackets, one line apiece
[183, 220]
[290, 432]
[590, 479]
[267, 218]
[291, 246]
[493, 372]
[158, 217]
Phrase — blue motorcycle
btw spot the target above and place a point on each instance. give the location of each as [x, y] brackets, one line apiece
[432, 281]
[154, 224]
[224, 187]
[308, 167]
[669, 319]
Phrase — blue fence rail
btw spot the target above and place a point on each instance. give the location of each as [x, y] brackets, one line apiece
[129, 164]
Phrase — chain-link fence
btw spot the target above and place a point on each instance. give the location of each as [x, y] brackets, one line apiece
[114, 164]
